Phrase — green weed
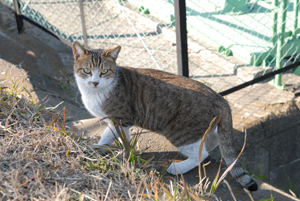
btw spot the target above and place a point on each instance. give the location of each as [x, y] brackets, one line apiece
[45, 159]
[268, 199]
[292, 188]
[65, 87]
[256, 175]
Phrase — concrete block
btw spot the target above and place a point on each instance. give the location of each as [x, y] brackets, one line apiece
[282, 117]
[283, 147]
[287, 176]
[255, 134]
[256, 160]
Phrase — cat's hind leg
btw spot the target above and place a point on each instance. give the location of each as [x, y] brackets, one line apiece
[192, 152]
[110, 134]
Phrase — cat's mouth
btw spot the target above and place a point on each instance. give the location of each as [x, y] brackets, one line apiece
[94, 87]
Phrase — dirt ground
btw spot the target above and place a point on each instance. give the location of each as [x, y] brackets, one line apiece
[50, 72]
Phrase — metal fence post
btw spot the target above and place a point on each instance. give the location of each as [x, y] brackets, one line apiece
[18, 16]
[181, 38]
[296, 9]
[274, 26]
[83, 24]
[280, 42]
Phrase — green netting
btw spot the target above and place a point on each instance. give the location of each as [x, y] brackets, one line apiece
[230, 41]
[9, 3]
[244, 30]
[241, 30]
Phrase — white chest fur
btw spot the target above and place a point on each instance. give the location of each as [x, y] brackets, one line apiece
[93, 103]
[94, 96]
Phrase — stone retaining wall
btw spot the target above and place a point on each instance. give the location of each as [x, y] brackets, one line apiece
[273, 145]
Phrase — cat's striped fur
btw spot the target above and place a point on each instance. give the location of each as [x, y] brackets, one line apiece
[177, 107]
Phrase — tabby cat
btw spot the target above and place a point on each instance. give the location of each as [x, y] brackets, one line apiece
[176, 107]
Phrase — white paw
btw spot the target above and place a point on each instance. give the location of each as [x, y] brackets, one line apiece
[106, 140]
[173, 169]
[182, 167]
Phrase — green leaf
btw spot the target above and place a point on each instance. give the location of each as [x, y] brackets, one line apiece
[268, 199]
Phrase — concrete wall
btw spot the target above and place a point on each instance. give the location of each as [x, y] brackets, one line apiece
[273, 145]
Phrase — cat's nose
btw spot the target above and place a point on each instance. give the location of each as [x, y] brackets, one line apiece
[95, 83]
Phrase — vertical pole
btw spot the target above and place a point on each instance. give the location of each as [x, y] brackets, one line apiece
[18, 16]
[181, 38]
[83, 24]
[274, 26]
[296, 8]
[280, 42]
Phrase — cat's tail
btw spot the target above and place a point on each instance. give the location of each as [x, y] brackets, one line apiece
[228, 152]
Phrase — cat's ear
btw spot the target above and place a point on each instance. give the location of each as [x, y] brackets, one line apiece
[78, 50]
[112, 52]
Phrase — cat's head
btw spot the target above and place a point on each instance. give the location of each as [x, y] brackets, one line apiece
[95, 69]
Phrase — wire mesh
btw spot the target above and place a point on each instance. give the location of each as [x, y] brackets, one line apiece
[62, 17]
[113, 23]
[9, 3]
[244, 32]
[230, 41]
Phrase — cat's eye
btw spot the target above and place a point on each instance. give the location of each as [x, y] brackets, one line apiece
[87, 71]
[104, 71]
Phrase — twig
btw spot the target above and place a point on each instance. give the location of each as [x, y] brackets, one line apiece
[204, 165]
[138, 190]
[53, 108]
[67, 178]
[86, 196]
[108, 190]
[90, 159]
[17, 161]
[7, 119]
[95, 177]
[201, 148]
[3, 194]
[4, 129]
[145, 184]
[230, 190]
[129, 194]
[42, 118]
[206, 184]
[293, 194]
[250, 196]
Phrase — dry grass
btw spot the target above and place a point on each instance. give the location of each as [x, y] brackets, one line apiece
[42, 159]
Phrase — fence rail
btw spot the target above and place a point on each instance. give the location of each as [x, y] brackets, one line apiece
[225, 45]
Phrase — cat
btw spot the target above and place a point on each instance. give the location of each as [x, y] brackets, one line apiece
[176, 107]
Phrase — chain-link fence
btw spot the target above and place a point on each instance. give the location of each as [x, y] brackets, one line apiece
[229, 42]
